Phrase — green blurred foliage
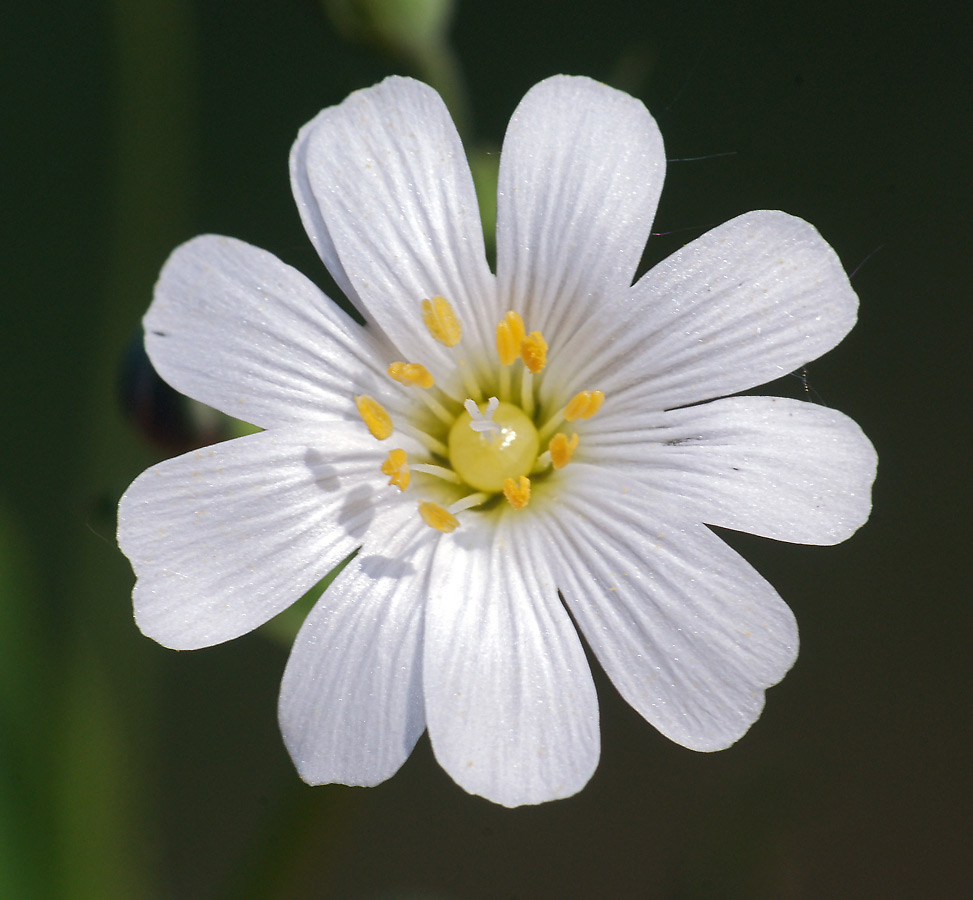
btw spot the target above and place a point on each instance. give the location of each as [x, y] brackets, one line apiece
[131, 771]
[397, 27]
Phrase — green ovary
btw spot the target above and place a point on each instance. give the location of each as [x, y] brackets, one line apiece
[484, 460]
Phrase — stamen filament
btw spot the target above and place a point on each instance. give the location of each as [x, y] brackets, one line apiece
[547, 429]
[504, 390]
[469, 381]
[433, 445]
[438, 471]
[527, 392]
[468, 501]
[438, 409]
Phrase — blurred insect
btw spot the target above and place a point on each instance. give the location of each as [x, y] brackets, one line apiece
[160, 414]
[812, 396]
[801, 374]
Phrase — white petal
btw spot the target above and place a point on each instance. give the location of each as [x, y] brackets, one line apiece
[580, 176]
[779, 468]
[395, 196]
[745, 303]
[351, 706]
[224, 538]
[307, 206]
[687, 631]
[510, 703]
[234, 327]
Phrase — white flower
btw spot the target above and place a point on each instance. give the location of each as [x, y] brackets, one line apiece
[469, 526]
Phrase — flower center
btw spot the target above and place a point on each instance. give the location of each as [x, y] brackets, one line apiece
[486, 459]
[491, 448]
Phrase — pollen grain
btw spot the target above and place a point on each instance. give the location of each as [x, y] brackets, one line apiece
[410, 374]
[562, 449]
[517, 492]
[396, 466]
[533, 351]
[510, 335]
[584, 405]
[437, 517]
[441, 320]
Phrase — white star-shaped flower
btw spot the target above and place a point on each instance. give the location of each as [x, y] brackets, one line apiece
[491, 444]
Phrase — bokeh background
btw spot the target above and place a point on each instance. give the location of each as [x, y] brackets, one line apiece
[129, 771]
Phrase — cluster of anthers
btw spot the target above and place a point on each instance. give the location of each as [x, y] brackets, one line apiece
[488, 448]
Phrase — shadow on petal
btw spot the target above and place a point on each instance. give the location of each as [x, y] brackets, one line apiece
[377, 567]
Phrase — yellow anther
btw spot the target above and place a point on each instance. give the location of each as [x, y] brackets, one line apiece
[374, 416]
[584, 405]
[517, 492]
[397, 468]
[533, 351]
[562, 449]
[510, 335]
[437, 517]
[441, 321]
[410, 374]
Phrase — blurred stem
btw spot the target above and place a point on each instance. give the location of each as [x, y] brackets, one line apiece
[308, 823]
[26, 665]
[105, 845]
[413, 32]
[437, 65]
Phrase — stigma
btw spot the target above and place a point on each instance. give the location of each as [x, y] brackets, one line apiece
[482, 422]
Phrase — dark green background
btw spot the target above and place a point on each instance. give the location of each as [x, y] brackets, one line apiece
[132, 771]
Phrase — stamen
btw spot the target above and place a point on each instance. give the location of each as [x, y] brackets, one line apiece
[581, 406]
[441, 321]
[517, 492]
[374, 416]
[510, 335]
[437, 517]
[483, 421]
[397, 468]
[416, 374]
[410, 374]
[533, 351]
[584, 405]
[562, 449]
